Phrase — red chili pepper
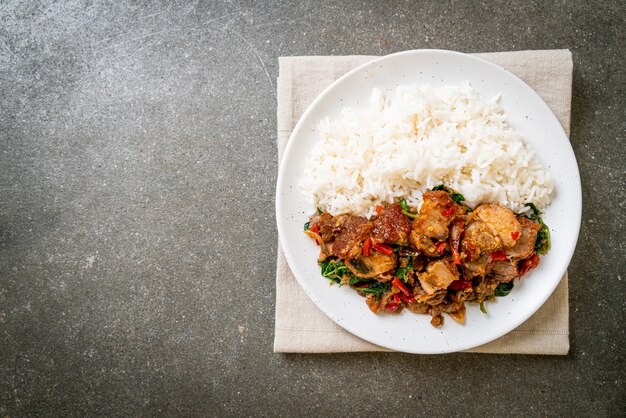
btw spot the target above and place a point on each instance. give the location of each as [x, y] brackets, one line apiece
[441, 246]
[361, 286]
[449, 211]
[498, 255]
[315, 228]
[367, 247]
[382, 248]
[515, 234]
[528, 264]
[396, 298]
[391, 307]
[407, 298]
[460, 285]
[379, 209]
[456, 257]
[398, 283]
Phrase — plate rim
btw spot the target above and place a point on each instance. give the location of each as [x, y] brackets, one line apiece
[281, 179]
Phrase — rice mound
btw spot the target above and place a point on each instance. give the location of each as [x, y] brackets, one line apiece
[423, 136]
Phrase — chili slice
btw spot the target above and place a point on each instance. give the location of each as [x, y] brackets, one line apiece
[528, 264]
[498, 255]
[448, 212]
[460, 285]
[391, 307]
[407, 298]
[382, 248]
[367, 247]
[398, 283]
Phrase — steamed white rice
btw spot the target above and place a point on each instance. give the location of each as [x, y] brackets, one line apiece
[401, 146]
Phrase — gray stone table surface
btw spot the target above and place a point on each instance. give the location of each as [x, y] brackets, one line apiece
[137, 231]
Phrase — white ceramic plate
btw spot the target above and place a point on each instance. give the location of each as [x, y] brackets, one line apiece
[526, 112]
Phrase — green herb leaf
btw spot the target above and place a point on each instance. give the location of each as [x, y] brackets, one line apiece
[376, 288]
[503, 289]
[457, 197]
[482, 307]
[542, 244]
[402, 271]
[356, 280]
[307, 226]
[536, 212]
[319, 211]
[334, 270]
[373, 287]
[405, 209]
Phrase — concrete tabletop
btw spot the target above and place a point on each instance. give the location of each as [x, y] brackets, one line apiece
[137, 230]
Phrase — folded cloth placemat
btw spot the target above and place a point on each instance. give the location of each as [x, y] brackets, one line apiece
[300, 326]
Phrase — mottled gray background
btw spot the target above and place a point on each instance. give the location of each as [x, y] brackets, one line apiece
[137, 231]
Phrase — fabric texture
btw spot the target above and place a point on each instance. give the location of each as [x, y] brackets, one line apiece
[300, 326]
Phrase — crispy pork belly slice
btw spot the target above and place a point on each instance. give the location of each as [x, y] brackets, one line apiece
[391, 226]
[438, 275]
[476, 268]
[373, 265]
[490, 227]
[423, 245]
[348, 242]
[525, 244]
[504, 271]
[437, 212]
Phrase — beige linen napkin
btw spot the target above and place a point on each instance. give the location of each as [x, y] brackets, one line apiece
[300, 326]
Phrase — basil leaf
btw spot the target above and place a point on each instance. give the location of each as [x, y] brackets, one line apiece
[457, 197]
[334, 270]
[542, 243]
[374, 287]
[402, 271]
[503, 289]
[405, 209]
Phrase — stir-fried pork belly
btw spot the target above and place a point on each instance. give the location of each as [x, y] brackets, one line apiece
[424, 245]
[432, 265]
[489, 228]
[437, 212]
[350, 238]
[476, 268]
[373, 266]
[391, 226]
[525, 244]
[329, 226]
[504, 271]
[438, 275]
